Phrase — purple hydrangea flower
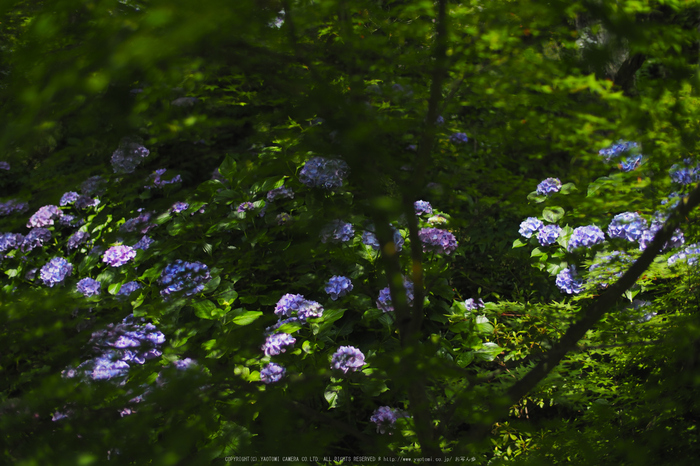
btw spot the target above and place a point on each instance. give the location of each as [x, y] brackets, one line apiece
[89, 287]
[71, 221]
[384, 300]
[83, 202]
[184, 364]
[423, 207]
[611, 265]
[548, 234]
[324, 173]
[337, 231]
[272, 373]
[44, 216]
[276, 343]
[617, 149]
[568, 283]
[181, 276]
[68, 198]
[689, 254]
[529, 226]
[4, 166]
[289, 303]
[158, 182]
[144, 243]
[128, 156]
[439, 120]
[128, 288]
[472, 305]
[116, 256]
[347, 359]
[459, 138]
[586, 236]
[338, 286]
[35, 238]
[685, 173]
[77, 238]
[93, 185]
[13, 205]
[141, 223]
[55, 271]
[179, 207]
[385, 418]
[549, 186]
[630, 163]
[627, 225]
[9, 241]
[280, 192]
[283, 218]
[441, 241]
[309, 309]
[245, 207]
[370, 239]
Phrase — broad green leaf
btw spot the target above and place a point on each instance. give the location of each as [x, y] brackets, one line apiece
[553, 214]
[247, 318]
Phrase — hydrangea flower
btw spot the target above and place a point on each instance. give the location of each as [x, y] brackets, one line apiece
[423, 207]
[13, 205]
[158, 182]
[116, 256]
[585, 236]
[179, 207]
[385, 418]
[128, 288]
[9, 241]
[93, 185]
[55, 271]
[617, 149]
[280, 192]
[289, 303]
[309, 309]
[83, 202]
[440, 241]
[685, 173]
[77, 238]
[337, 232]
[473, 305]
[630, 163]
[272, 328]
[338, 286]
[283, 218]
[245, 207]
[181, 276]
[549, 186]
[272, 373]
[70, 220]
[627, 225]
[384, 300]
[35, 238]
[548, 234]
[689, 254]
[324, 173]
[128, 156]
[276, 343]
[370, 239]
[529, 226]
[4, 165]
[89, 287]
[44, 216]
[144, 243]
[611, 265]
[459, 138]
[141, 223]
[347, 359]
[68, 198]
[568, 283]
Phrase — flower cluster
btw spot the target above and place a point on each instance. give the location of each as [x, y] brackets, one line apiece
[385, 418]
[128, 288]
[423, 207]
[689, 254]
[55, 271]
[93, 185]
[627, 163]
[473, 305]
[283, 218]
[83, 202]
[141, 223]
[186, 277]
[568, 282]
[179, 207]
[585, 236]
[13, 205]
[347, 359]
[337, 232]
[89, 287]
[324, 173]
[144, 243]
[549, 186]
[384, 300]
[44, 216]
[272, 373]
[440, 241]
[608, 266]
[158, 182]
[280, 192]
[459, 138]
[370, 239]
[128, 156]
[4, 165]
[116, 256]
[685, 173]
[627, 225]
[304, 308]
[77, 238]
[548, 234]
[276, 343]
[529, 226]
[245, 207]
[338, 287]
[70, 220]
[9, 241]
[35, 238]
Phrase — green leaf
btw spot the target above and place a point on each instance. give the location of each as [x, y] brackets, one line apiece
[204, 309]
[247, 318]
[114, 288]
[331, 395]
[553, 214]
[568, 188]
[488, 351]
[483, 325]
[518, 243]
[533, 196]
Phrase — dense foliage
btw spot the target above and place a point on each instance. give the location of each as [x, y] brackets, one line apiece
[326, 229]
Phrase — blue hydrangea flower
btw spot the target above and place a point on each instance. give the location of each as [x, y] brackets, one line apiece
[272, 373]
[10, 241]
[128, 156]
[158, 182]
[384, 300]
[686, 172]
[77, 238]
[439, 120]
[337, 232]
[186, 277]
[347, 359]
[689, 254]
[309, 309]
[83, 202]
[385, 418]
[473, 305]
[585, 236]
[179, 207]
[280, 192]
[89, 287]
[276, 343]
[144, 243]
[423, 207]
[128, 288]
[289, 303]
[627, 225]
[13, 205]
[568, 282]
[116, 256]
[616, 150]
[338, 286]
[35, 238]
[245, 207]
[459, 138]
[324, 173]
[68, 198]
[71, 221]
[549, 186]
[548, 234]
[142, 223]
[370, 239]
[609, 266]
[440, 241]
[4, 165]
[630, 163]
[55, 271]
[44, 216]
[529, 226]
